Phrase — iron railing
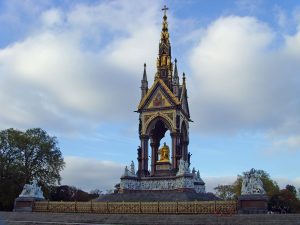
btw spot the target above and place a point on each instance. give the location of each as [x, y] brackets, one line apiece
[189, 207]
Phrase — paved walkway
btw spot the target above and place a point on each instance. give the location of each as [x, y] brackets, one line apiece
[15, 218]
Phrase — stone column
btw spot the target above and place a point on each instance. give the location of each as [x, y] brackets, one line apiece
[152, 144]
[144, 145]
[175, 141]
[139, 159]
[154, 156]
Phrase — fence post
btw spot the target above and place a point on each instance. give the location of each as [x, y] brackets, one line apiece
[91, 206]
[75, 206]
[32, 206]
[140, 207]
[158, 206]
[107, 209]
[215, 207]
[48, 206]
[177, 207]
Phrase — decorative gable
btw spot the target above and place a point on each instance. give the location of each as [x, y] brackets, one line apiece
[158, 96]
[158, 100]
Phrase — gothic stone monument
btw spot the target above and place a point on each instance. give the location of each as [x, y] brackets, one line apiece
[30, 193]
[253, 197]
[164, 107]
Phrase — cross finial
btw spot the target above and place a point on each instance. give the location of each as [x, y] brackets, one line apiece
[165, 9]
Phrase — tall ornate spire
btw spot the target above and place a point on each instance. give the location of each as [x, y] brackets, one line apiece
[144, 83]
[164, 65]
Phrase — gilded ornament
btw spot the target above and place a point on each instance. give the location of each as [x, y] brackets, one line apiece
[164, 153]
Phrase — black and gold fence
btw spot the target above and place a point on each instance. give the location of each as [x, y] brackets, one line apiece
[195, 207]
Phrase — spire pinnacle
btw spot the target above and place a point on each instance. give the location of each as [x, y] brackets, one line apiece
[165, 9]
[145, 73]
[164, 64]
[144, 83]
[175, 70]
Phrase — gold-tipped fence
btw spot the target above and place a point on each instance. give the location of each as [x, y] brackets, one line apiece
[191, 207]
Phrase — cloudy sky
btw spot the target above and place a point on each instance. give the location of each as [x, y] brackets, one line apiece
[74, 68]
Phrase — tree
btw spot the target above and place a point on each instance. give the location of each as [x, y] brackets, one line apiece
[292, 189]
[70, 193]
[225, 192]
[284, 202]
[96, 192]
[25, 156]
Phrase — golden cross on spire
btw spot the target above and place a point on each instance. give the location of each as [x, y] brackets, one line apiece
[165, 9]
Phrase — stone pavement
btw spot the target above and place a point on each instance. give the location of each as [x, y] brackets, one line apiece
[17, 218]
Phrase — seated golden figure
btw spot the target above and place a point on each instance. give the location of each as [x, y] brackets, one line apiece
[164, 153]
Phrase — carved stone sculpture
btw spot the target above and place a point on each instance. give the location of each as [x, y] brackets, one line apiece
[183, 167]
[132, 169]
[32, 191]
[126, 172]
[252, 184]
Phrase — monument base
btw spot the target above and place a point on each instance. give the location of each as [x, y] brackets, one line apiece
[186, 182]
[253, 204]
[25, 204]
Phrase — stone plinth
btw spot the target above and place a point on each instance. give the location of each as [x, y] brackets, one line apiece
[25, 204]
[163, 166]
[253, 204]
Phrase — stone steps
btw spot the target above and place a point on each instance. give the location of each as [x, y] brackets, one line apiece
[14, 218]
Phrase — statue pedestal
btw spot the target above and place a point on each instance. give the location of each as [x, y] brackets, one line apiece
[163, 169]
[253, 204]
[30, 193]
[25, 204]
[163, 166]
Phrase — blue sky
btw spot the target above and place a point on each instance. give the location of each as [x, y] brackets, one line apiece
[74, 68]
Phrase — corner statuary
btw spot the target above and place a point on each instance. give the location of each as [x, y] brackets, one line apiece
[32, 191]
[183, 167]
[252, 184]
[129, 172]
[253, 197]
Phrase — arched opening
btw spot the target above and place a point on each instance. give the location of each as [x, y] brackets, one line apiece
[158, 131]
[166, 140]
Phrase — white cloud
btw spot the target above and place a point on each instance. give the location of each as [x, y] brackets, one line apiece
[76, 66]
[289, 143]
[89, 174]
[52, 17]
[282, 182]
[281, 16]
[213, 181]
[240, 81]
